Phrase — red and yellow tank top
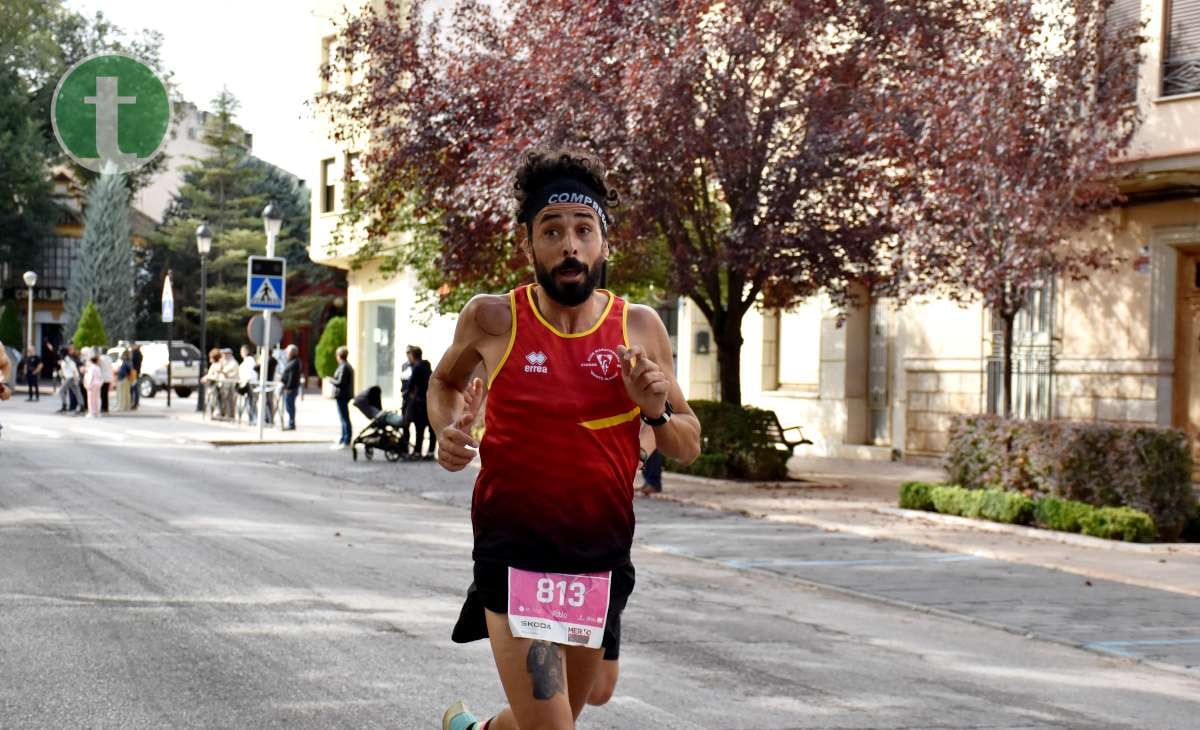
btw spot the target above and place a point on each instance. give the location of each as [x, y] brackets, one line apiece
[560, 446]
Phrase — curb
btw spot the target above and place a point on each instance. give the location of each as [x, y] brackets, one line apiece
[885, 534]
[1036, 533]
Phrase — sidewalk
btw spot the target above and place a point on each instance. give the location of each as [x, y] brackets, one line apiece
[316, 422]
[860, 497]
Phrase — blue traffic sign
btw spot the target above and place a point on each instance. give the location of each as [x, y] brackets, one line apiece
[266, 290]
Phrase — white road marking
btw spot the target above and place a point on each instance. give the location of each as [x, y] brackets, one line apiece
[34, 431]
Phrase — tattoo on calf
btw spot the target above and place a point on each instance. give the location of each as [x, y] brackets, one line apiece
[544, 664]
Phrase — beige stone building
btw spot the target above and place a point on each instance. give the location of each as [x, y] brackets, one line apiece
[1121, 347]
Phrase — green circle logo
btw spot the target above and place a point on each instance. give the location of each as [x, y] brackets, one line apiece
[111, 113]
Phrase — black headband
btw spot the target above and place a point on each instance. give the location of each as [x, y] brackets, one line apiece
[564, 190]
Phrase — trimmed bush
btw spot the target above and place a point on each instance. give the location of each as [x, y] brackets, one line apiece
[733, 445]
[90, 332]
[332, 338]
[1191, 533]
[1104, 465]
[1063, 515]
[915, 495]
[958, 501]
[10, 326]
[705, 465]
[1012, 508]
[1119, 523]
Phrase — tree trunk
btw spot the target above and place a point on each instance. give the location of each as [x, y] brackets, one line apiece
[1008, 364]
[729, 366]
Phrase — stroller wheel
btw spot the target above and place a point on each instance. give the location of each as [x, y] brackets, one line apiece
[369, 453]
[392, 456]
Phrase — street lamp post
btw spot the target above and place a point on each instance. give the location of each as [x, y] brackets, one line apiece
[272, 220]
[30, 278]
[203, 245]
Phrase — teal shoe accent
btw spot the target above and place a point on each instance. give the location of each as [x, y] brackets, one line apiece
[458, 717]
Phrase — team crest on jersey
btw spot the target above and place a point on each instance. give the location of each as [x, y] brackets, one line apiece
[603, 364]
[536, 362]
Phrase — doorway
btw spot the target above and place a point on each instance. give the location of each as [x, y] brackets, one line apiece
[1186, 408]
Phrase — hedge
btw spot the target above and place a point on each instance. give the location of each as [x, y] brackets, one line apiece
[732, 444]
[333, 337]
[1104, 465]
[1112, 523]
[916, 495]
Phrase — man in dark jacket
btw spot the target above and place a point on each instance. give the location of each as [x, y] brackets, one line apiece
[415, 413]
[343, 391]
[290, 380]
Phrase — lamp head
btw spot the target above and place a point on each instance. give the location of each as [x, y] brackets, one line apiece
[272, 219]
[30, 279]
[203, 239]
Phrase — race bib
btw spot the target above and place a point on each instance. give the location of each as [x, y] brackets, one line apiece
[563, 608]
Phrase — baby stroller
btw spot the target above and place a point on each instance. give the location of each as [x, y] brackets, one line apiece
[383, 432]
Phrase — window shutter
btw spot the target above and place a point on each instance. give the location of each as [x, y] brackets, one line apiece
[1181, 72]
[1124, 13]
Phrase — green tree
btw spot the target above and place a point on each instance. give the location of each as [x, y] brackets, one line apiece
[220, 189]
[332, 338]
[10, 326]
[103, 270]
[90, 332]
[27, 208]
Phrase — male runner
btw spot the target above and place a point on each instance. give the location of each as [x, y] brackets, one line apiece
[573, 371]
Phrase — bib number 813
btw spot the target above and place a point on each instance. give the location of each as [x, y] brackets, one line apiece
[546, 589]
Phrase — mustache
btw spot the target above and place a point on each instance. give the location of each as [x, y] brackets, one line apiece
[569, 266]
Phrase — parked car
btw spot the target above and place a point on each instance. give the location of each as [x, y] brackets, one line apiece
[186, 361]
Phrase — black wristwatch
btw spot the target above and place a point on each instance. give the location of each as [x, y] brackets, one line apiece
[666, 416]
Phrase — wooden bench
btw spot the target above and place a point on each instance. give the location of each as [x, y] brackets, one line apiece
[770, 430]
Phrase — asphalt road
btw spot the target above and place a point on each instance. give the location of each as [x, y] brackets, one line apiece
[146, 583]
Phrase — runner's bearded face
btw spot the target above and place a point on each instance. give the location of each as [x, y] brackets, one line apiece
[565, 238]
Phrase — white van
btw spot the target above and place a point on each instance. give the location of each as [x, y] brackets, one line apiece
[186, 362]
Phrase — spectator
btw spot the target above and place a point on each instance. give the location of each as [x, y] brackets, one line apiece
[71, 396]
[290, 380]
[135, 358]
[50, 360]
[416, 414]
[228, 383]
[247, 379]
[212, 383]
[92, 382]
[343, 391]
[124, 370]
[269, 409]
[106, 378]
[31, 370]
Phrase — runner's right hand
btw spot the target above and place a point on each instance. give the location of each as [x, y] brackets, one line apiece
[456, 448]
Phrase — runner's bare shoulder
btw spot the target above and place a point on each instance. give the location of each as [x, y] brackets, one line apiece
[490, 313]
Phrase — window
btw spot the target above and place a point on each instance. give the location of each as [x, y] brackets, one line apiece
[327, 184]
[1124, 16]
[353, 174]
[326, 56]
[799, 346]
[1032, 357]
[57, 257]
[378, 346]
[1181, 69]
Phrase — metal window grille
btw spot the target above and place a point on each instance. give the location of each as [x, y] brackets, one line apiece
[1032, 358]
[1181, 69]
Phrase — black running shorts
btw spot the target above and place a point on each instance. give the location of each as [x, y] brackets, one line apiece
[490, 591]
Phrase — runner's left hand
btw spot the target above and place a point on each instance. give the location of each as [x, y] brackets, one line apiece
[645, 381]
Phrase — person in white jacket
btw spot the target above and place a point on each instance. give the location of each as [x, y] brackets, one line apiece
[70, 382]
[106, 378]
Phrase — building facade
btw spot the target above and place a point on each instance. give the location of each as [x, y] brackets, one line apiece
[882, 382]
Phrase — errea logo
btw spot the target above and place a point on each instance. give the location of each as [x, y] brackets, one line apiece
[536, 362]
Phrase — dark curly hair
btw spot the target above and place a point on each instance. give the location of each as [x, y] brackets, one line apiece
[543, 165]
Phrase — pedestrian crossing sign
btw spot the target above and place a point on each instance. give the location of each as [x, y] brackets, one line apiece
[266, 290]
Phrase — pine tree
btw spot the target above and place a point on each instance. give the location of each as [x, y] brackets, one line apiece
[90, 332]
[222, 189]
[103, 272]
